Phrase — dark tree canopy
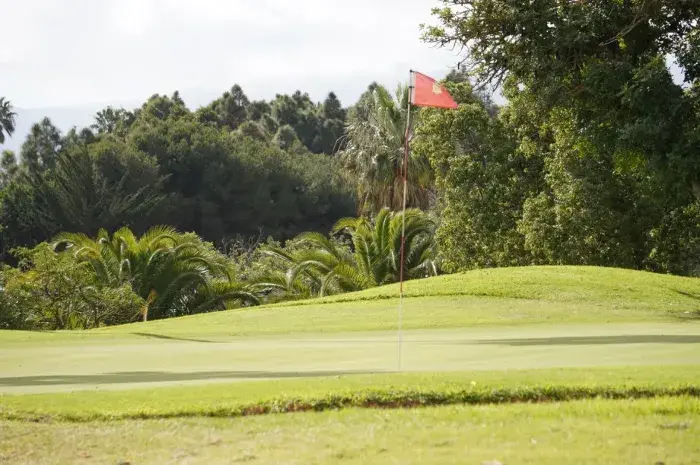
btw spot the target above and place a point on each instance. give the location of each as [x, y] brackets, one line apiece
[232, 168]
[597, 160]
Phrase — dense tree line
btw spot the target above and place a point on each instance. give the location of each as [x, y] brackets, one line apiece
[76, 281]
[596, 157]
[232, 168]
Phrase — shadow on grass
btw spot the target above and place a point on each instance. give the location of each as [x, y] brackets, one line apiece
[597, 340]
[171, 338]
[161, 376]
[691, 315]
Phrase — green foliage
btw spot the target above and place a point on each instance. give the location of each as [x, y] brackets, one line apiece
[316, 265]
[310, 265]
[230, 109]
[102, 184]
[547, 41]
[8, 167]
[175, 274]
[254, 130]
[610, 75]
[373, 153]
[377, 245]
[53, 291]
[593, 158]
[113, 121]
[257, 109]
[162, 163]
[41, 148]
[285, 137]
[15, 303]
[223, 186]
[482, 180]
[592, 214]
[160, 108]
[317, 126]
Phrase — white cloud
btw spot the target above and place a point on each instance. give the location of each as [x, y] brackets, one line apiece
[73, 52]
[216, 11]
[132, 17]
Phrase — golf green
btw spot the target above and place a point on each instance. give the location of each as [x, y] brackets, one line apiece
[145, 360]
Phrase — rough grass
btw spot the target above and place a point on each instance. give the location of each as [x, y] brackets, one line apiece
[661, 430]
[384, 391]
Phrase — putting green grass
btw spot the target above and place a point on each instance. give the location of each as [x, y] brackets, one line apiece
[152, 359]
[662, 430]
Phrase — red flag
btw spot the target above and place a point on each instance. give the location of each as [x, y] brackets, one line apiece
[427, 92]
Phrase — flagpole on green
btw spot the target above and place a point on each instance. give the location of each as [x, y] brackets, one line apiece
[404, 175]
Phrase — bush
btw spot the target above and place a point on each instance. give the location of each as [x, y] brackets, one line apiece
[15, 311]
[54, 291]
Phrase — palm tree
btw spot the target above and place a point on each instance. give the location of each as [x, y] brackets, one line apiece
[315, 265]
[7, 119]
[373, 152]
[176, 274]
[377, 245]
[318, 266]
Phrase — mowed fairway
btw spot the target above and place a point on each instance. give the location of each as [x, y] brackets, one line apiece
[123, 362]
[505, 335]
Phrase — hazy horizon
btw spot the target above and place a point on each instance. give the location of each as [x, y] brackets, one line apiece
[81, 54]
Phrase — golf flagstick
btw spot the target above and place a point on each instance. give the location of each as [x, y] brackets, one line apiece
[404, 175]
[423, 91]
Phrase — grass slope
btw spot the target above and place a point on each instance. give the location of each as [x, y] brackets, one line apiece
[151, 359]
[502, 296]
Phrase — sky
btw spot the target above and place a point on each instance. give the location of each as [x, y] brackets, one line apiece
[76, 53]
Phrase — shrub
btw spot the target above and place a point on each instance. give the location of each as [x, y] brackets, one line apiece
[55, 291]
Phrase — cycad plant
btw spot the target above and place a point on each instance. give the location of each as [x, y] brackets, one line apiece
[316, 265]
[377, 245]
[373, 151]
[176, 274]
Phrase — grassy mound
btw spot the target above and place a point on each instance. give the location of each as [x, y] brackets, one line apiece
[553, 283]
[504, 296]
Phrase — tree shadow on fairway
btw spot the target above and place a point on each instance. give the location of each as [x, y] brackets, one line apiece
[161, 376]
[689, 315]
[171, 338]
[597, 340]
